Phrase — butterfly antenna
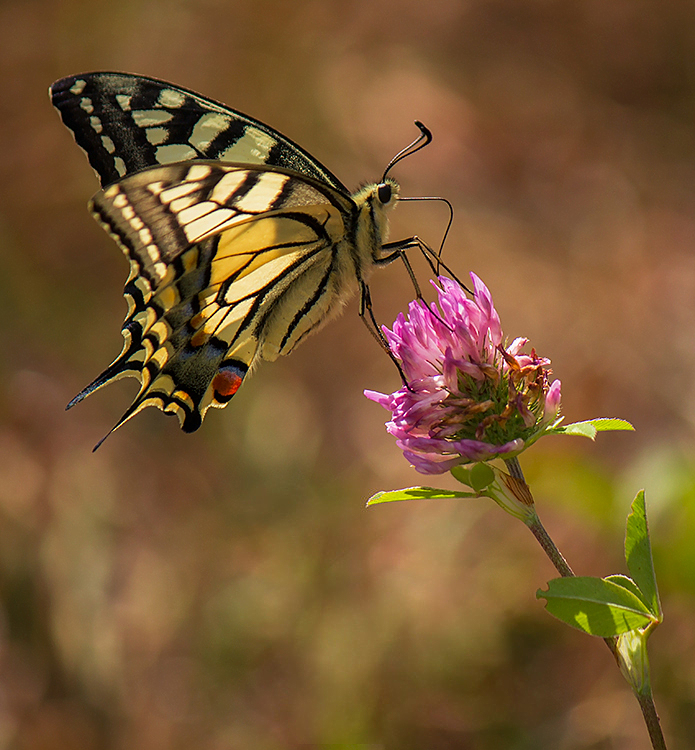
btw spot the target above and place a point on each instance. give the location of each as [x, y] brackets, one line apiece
[424, 139]
[438, 254]
[421, 141]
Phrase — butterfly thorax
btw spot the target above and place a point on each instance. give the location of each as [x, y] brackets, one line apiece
[355, 239]
[374, 203]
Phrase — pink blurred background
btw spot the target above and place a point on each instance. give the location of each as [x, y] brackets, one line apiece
[228, 589]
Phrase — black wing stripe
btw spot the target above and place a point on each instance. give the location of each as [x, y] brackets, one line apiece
[262, 302]
[303, 312]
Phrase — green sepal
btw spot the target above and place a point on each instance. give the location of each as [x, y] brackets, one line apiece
[596, 606]
[633, 660]
[592, 427]
[480, 476]
[416, 493]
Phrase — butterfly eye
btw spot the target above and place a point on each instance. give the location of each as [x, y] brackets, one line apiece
[384, 192]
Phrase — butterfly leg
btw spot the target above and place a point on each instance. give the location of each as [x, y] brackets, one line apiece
[392, 251]
[368, 318]
[398, 249]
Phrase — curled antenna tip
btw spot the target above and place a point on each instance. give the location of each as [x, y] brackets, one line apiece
[421, 141]
[425, 131]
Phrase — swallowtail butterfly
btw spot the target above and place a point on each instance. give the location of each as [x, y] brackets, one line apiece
[240, 243]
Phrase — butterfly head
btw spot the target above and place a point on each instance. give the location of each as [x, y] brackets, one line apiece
[374, 203]
[381, 197]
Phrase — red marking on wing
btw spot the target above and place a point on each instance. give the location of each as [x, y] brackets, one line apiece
[226, 383]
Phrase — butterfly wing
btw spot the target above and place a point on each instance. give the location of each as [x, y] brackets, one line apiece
[126, 123]
[229, 264]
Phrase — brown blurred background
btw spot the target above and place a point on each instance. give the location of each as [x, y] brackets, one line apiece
[227, 590]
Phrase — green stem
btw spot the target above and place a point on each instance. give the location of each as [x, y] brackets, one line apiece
[646, 702]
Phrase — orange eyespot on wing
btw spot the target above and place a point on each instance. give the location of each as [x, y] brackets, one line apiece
[228, 381]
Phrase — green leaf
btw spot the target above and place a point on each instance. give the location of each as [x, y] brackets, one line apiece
[482, 476]
[416, 493]
[638, 555]
[593, 426]
[629, 584]
[595, 605]
[584, 429]
[611, 424]
[462, 474]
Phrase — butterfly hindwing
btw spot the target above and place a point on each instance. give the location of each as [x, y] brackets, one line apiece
[126, 123]
[229, 264]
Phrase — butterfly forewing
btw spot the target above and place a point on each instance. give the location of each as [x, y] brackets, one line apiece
[126, 123]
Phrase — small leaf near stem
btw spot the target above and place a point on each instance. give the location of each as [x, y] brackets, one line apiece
[549, 547]
[638, 555]
[591, 427]
[634, 549]
[601, 607]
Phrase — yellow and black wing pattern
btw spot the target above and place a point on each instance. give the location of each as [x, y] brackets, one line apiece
[219, 277]
[239, 242]
[126, 123]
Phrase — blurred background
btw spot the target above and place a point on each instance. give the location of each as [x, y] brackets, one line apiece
[228, 589]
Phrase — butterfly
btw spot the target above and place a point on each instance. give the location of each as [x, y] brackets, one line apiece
[240, 243]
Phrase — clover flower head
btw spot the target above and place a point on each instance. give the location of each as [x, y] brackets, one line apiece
[469, 397]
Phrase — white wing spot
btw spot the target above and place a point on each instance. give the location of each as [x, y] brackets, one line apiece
[171, 194]
[120, 166]
[95, 122]
[156, 135]
[263, 193]
[195, 212]
[160, 269]
[227, 186]
[108, 144]
[120, 200]
[198, 172]
[253, 147]
[208, 127]
[179, 204]
[124, 101]
[211, 222]
[175, 152]
[146, 238]
[171, 98]
[78, 87]
[86, 105]
[147, 118]
[153, 252]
